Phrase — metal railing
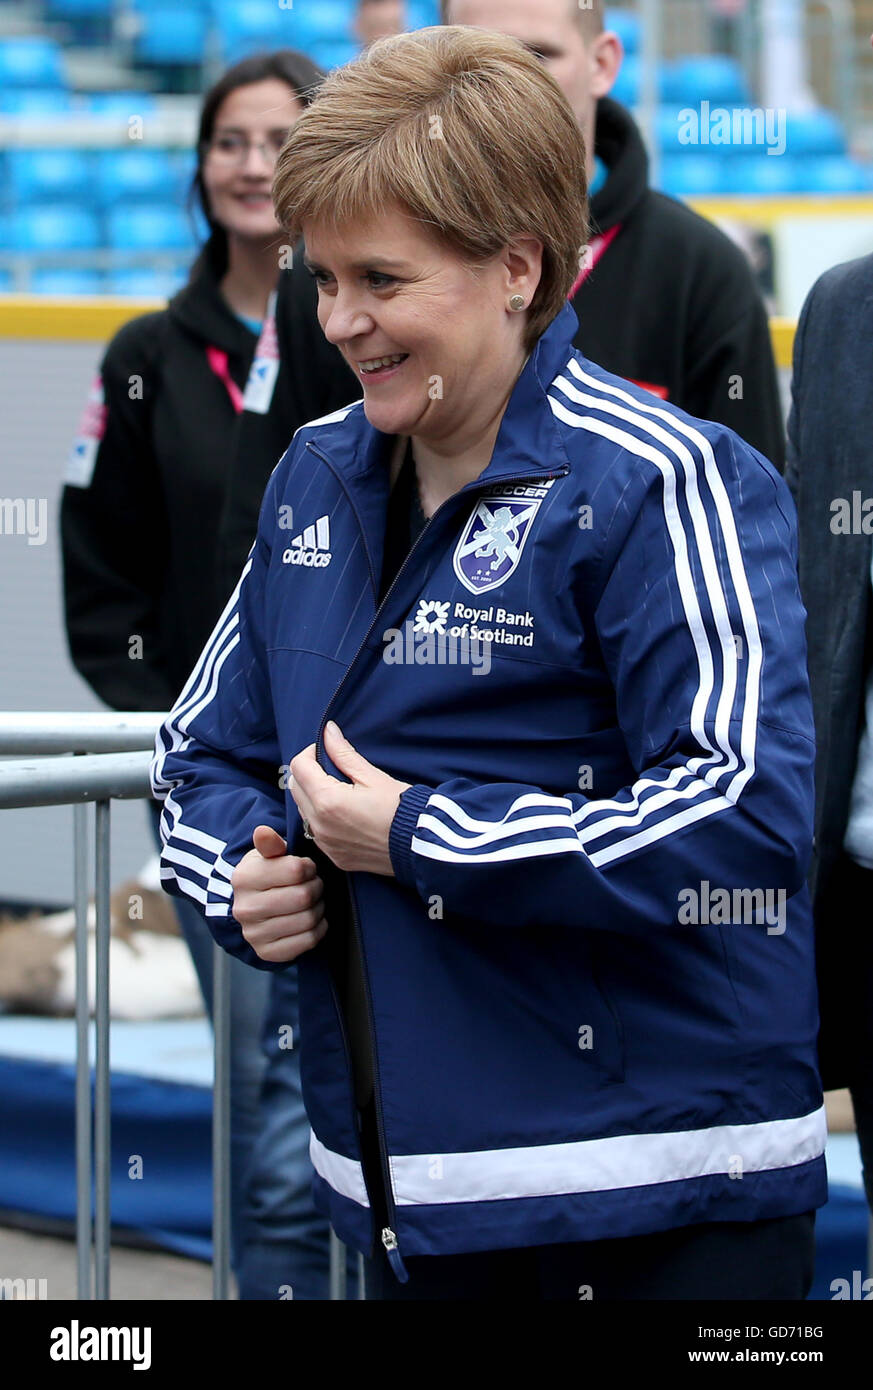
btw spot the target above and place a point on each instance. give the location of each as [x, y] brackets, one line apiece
[111, 760]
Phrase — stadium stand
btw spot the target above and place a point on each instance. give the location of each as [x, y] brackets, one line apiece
[123, 199]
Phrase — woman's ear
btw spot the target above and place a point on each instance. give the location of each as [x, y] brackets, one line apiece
[523, 259]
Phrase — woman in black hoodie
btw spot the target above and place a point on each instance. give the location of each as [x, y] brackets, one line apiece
[142, 591]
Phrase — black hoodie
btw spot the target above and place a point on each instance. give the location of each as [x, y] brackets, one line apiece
[673, 303]
[139, 536]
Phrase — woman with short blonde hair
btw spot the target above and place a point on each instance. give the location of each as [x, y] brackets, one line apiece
[434, 126]
[545, 886]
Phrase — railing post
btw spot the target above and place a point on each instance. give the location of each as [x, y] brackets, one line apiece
[47, 780]
[102, 1118]
[220, 1123]
[84, 1225]
[338, 1282]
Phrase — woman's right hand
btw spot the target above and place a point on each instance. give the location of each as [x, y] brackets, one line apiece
[278, 899]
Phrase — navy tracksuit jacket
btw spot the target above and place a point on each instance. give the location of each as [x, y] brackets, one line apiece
[591, 983]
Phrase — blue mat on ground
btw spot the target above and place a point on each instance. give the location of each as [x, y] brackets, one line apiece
[161, 1132]
[162, 1114]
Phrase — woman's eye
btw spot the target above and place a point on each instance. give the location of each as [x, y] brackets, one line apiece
[377, 280]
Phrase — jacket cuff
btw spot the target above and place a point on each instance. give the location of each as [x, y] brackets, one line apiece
[410, 806]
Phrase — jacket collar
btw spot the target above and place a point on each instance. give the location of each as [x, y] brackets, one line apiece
[528, 440]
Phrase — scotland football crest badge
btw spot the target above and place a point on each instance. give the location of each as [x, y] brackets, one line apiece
[492, 540]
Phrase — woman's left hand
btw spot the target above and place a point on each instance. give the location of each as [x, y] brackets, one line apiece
[350, 823]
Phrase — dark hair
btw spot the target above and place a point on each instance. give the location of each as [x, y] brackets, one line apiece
[285, 64]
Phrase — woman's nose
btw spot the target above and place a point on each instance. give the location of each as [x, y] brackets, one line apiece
[344, 317]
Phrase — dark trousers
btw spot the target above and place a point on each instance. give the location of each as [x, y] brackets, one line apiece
[754, 1260]
[844, 946]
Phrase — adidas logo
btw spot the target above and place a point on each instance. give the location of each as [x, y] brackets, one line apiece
[312, 547]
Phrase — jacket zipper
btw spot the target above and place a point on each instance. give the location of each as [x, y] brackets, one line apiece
[388, 1235]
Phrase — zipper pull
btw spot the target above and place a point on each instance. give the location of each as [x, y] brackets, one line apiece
[389, 1240]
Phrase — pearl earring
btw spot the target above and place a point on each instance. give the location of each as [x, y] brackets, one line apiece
[517, 302]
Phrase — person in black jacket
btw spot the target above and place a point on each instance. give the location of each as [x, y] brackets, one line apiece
[144, 492]
[830, 473]
[664, 298]
[671, 302]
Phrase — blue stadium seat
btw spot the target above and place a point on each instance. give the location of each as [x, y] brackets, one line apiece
[328, 19]
[119, 103]
[626, 87]
[35, 101]
[151, 227]
[694, 175]
[299, 27]
[421, 14]
[627, 25]
[668, 124]
[75, 9]
[183, 165]
[815, 132]
[56, 280]
[88, 22]
[31, 62]
[333, 53]
[135, 173]
[247, 26]
[776, 175]
[171, 35]
[145, 283]
[627, 84]
[35, 176]
[835, 174]
[46, 227]
[711, 77]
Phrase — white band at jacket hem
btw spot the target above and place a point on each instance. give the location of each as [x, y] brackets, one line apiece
[344, 1175]
[601, 1165]
[587, 1165]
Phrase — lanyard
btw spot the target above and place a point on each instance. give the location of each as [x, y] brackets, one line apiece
[593, 252]
[218, 363]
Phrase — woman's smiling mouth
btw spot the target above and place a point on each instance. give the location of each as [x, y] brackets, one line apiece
[378, 368]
